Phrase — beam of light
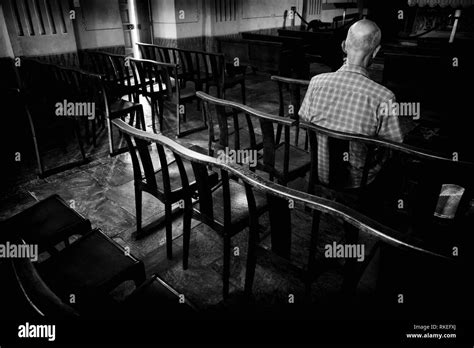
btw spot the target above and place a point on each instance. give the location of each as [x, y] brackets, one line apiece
[134, 32]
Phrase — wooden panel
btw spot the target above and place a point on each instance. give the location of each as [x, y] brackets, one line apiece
[264, 8]
[39, 27]
[225, 10]
[102, 14]
[314, 7]
[190, 8]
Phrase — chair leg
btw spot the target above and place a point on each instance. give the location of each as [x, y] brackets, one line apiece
[111, 138]
[169, 234]
[160, 113]
[188, 211]
[153, 114]
[79, 140]
[226, 270]
[178, 121]
[138, 209]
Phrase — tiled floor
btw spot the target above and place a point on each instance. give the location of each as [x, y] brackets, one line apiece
[102, 191]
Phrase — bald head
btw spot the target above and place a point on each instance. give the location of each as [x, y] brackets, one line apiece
[363, 39]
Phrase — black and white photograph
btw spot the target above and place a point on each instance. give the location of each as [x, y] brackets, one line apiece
[217, 172]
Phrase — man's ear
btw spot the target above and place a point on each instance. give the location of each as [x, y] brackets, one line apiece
[377, 49]
[343, 46]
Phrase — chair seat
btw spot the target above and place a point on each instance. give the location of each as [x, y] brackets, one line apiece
[47, 223]
[122, 106]
[300, 160]
[175, 178]
[157, 88]
[92, 266]
[120, 89]
[187, 93]
[238, 203]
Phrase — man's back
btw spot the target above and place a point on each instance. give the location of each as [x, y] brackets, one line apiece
[348, 101]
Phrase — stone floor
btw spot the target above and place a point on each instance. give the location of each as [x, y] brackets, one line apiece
[102, 190]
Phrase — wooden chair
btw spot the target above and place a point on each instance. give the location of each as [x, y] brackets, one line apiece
[37, 105]
[33, 298]
[163, 183]
[123, 83]
[90, 269]
[158, 82]
[294, 86]
[203, 69]
[279, 198]
[223, 208]
[281, 160]
[47, 223]
[411, 182]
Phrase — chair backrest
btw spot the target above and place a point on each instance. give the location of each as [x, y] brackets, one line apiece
[196, 66]
[294, 86]
[123, 73]
[200, 164]
[143, 168]
[426, 170]
[268, 124]
[101, 63]
[280, 196]
[154, 76]
[297, 89]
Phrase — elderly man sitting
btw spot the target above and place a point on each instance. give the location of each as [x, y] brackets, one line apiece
[349, 101]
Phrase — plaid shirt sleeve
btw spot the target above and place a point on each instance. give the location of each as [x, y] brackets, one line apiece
[389, 127]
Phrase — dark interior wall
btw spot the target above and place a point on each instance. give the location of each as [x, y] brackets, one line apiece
[5, 44]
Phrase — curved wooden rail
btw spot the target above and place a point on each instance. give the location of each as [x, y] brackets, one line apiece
[244, 108]
[408, 149]
[290, 80]
[360, 221]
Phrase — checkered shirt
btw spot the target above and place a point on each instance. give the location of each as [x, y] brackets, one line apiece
[349, 101]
